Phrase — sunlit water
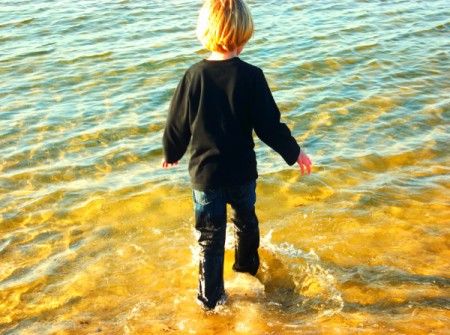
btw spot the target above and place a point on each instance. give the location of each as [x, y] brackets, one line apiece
[96, 238]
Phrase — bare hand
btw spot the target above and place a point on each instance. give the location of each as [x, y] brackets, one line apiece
[166, 165]
[304, 161]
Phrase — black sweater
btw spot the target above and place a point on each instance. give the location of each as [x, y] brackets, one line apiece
[216, 106]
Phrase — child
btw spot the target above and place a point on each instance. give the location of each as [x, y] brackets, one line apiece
[216, 106]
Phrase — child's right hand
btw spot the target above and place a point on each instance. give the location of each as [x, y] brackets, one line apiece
[166, 165]
[304, 161]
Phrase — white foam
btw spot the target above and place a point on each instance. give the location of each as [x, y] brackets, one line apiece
[308, 274]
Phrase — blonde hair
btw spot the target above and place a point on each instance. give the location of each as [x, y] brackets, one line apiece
[224, 25]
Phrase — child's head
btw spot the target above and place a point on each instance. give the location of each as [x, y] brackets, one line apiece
[224, 25]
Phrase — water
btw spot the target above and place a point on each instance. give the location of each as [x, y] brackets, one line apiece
[96, 238]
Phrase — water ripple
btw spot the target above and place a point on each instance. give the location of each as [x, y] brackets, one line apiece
[364, 86]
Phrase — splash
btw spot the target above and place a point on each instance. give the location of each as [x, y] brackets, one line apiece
[289, 278]
[296, 280]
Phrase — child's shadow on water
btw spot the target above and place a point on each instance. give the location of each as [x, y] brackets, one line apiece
[273, 284]
[279, 285]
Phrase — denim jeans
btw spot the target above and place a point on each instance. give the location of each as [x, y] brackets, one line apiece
[210, 223]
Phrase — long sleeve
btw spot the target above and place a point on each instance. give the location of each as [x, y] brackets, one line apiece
[267, 124]
[177, 132]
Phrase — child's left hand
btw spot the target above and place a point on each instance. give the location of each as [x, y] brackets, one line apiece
[304, 161]
[166, 165]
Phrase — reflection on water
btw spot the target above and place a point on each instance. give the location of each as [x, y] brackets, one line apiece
[96, 238]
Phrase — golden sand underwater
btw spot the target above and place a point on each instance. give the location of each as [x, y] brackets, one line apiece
[95, 238]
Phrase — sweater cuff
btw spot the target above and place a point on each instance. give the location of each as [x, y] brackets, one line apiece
[291, 160]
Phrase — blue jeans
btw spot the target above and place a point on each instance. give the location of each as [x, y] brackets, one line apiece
[210, 223]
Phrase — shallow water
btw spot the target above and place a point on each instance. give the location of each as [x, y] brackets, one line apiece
[96, 238]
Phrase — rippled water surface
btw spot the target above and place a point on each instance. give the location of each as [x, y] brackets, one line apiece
[96, 238]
